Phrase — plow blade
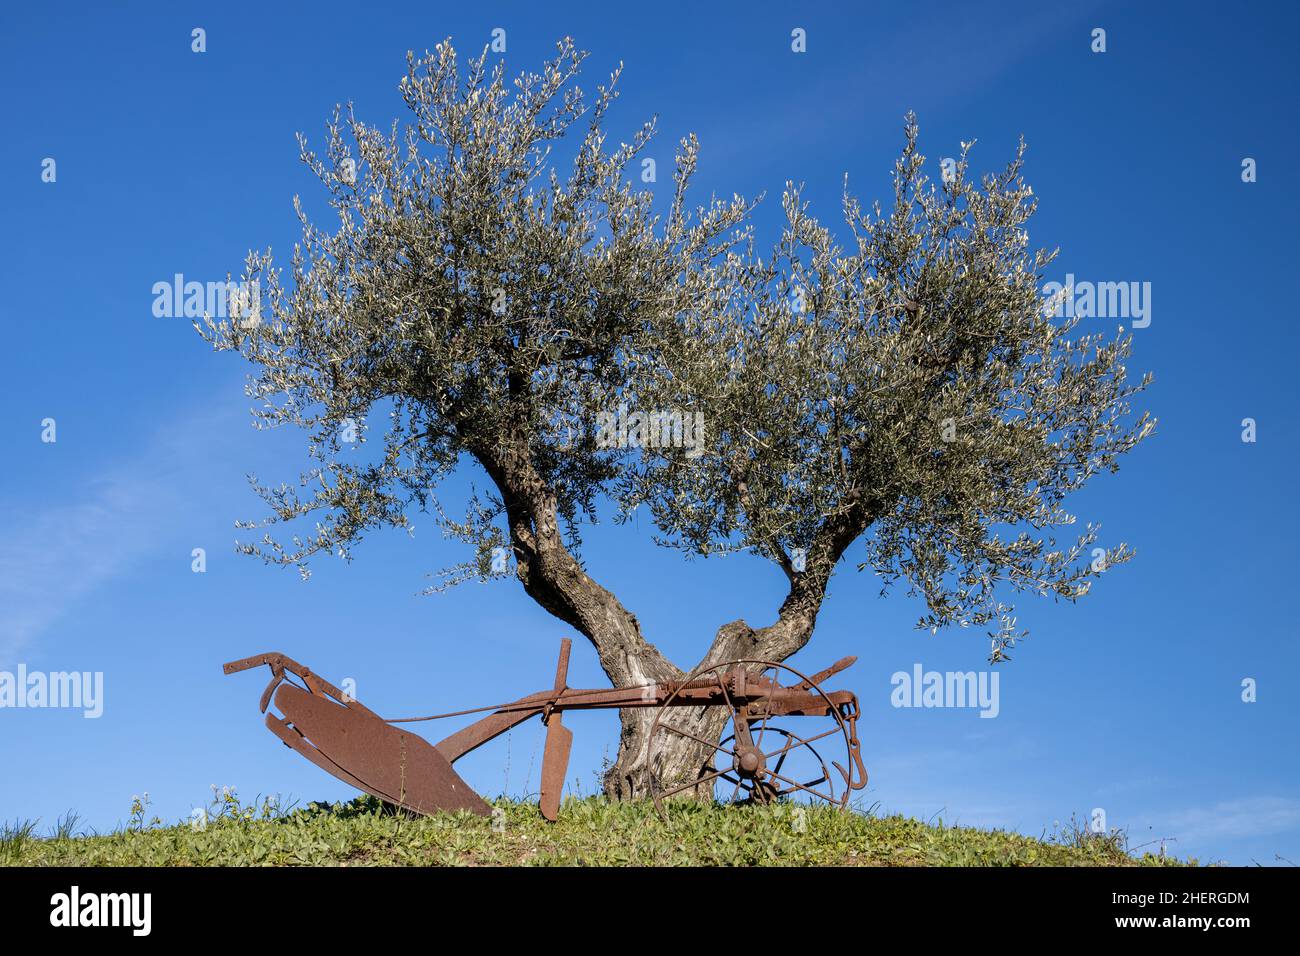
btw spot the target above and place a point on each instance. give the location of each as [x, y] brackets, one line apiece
[555, 759]
[365, 752]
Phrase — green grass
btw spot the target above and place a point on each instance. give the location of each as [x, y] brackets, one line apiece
[590, 831]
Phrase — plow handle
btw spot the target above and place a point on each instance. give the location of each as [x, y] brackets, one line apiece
[842, 664]
[246, 663]
[279, 663]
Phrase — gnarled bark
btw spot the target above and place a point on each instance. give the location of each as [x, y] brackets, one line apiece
[556, 580]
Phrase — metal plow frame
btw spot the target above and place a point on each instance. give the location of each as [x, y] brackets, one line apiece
[348, 740]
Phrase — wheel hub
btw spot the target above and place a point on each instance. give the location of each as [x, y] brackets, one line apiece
[748, 761]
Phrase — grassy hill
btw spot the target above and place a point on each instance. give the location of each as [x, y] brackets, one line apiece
[590, 831]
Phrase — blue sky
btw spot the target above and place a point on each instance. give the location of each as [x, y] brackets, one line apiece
[170, 161]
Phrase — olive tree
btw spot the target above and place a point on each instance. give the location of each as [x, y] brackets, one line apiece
[493, 283]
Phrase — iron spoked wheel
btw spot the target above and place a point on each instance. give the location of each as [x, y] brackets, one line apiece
[804, 759]
[787, 756]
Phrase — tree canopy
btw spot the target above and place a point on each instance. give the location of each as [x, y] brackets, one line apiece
[497, 284]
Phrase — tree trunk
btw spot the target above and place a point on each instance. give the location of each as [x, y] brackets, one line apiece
[677, 758]
[556, 580]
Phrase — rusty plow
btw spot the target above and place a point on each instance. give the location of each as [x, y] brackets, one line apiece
[759, 757]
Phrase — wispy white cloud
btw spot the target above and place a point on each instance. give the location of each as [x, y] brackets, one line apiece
[949, 66]
[1245, 817]
[944, 782]
[1128, 786]
[52, 557]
